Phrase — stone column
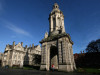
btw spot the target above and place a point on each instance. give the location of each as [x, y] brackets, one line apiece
[68, 54]
[51, 23]
[8, 60]
[42, 55]
[65, 66]
[63, 28]
[59, 53]
[48, 57]
[72, 60]
[44, 58]
[55, 22]
[64, 51]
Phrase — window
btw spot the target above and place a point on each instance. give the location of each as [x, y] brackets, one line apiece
[54, 23]
[59, 21]
[56, 6]
[15, 57]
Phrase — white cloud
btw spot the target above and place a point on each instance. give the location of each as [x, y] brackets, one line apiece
[18, 30]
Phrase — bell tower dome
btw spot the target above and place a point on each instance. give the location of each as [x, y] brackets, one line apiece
[56, 21]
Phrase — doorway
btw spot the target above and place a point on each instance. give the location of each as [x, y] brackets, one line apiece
[54, 57]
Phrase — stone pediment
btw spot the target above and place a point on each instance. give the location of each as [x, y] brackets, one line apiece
[18, 46]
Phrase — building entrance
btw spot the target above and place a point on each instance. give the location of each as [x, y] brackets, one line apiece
[54, 57]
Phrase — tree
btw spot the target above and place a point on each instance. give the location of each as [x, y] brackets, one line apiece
[93, 46]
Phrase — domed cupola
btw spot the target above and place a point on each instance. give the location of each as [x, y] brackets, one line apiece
[55, 6]
[56, 21]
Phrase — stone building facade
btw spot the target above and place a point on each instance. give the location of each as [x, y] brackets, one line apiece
[57, 45]
[17, 55]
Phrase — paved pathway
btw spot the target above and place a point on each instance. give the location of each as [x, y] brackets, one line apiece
[33, 72]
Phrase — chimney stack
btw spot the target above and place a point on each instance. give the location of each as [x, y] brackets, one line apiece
[26, 46]
[22, 44]
[32, 46]
[14, 43]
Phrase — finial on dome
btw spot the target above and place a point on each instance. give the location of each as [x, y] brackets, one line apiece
[55, 6]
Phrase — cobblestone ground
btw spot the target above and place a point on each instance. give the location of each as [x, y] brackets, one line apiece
[33, 72]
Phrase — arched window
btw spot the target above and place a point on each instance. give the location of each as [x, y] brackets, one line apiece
[59, 21]
[54, 23]
[56, 6]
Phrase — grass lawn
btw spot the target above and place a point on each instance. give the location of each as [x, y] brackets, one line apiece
[79, 70]
[25, 68]
[28, 68]
[88, 70]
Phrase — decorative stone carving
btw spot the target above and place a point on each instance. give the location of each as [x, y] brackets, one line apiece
[46, 34]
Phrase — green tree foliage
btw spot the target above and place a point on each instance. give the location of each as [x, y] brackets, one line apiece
[90, 59]
[93, 46]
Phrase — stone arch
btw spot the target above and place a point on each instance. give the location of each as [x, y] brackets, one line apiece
[53, 56]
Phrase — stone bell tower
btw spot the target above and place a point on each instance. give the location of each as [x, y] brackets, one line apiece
[57, 45]
[56, 20]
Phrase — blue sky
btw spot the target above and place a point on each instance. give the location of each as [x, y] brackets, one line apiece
[27, 21]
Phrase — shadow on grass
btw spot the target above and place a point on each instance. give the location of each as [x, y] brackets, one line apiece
[88, 70]
[27, 67]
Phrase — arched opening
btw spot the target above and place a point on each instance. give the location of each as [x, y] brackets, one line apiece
[54, 23]
[56, 7]
[54, 57]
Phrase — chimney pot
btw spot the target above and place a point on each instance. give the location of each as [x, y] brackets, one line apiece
[21, 43]
[14, 43]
